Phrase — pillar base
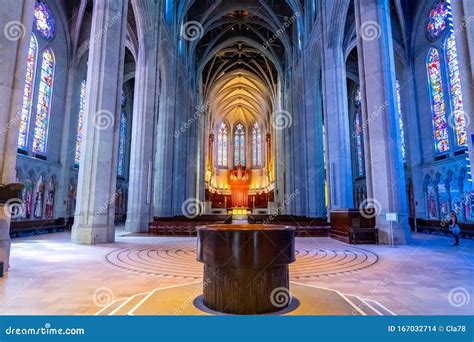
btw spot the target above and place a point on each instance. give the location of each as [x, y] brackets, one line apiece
[137, 223]
[92, 235]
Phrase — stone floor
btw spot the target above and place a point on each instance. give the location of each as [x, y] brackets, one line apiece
[50, 275]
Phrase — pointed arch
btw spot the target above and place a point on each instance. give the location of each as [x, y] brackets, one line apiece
[256, 145]
[239, 144]
[43, 108]
[222, 143]
[80, 122]
[441, 137]
[455, 94]
[28, 91]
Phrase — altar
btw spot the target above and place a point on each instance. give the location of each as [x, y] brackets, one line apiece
[239, 180]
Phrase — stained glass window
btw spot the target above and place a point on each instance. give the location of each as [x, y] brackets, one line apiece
[28, 93]
[44, 21]
[122, 144]
[80, 122]
[222, 145]
[400, 122]
[44, 102]
[256, 145]
[457, 105]
[437, 20]
[239, 145]
[437, 101]
[359, 143]
[357, 97]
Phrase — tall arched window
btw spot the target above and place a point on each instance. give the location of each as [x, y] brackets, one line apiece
[80, 122]
[222, 138]
[400, 122]
[44, 102]
[437, 101]
[358, 134]
[122, 144]
[359, 143]
[457, 105]
[239, 145]
[28, 93]
[122, 137]
[256, 145]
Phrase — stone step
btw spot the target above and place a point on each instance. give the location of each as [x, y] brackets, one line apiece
[128, 305]
[361, 304]
[381, 308]
[107, 310]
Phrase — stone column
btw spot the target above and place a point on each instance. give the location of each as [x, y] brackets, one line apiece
[95, 211]
[141, 153]
[384, 166]
[16, 18]
[336, 114]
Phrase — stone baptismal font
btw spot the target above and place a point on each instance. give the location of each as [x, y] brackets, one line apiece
[245, 266]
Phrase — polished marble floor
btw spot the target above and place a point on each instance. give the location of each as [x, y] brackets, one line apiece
[50, 275]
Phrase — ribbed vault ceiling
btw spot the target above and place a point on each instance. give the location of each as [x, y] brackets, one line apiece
[238, 55]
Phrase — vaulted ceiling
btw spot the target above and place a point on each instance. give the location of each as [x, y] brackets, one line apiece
[242, 50]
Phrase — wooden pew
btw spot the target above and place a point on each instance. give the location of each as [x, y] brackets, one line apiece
[182, 226]
[305, 226]
[350, 226]
[442, 227]
[34, 227]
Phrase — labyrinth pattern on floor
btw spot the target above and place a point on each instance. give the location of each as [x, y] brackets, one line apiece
[179, 261]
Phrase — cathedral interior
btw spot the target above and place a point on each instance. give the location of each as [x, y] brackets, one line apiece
[126, 125]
